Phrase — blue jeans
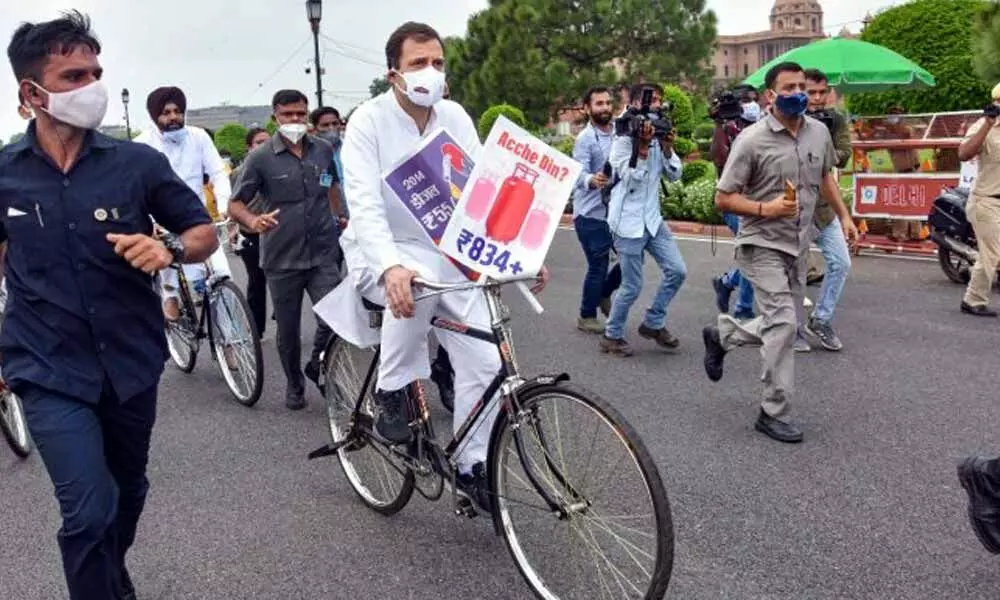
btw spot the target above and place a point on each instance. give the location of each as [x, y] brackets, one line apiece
[734, 279]
[838, 264]
[663, 248]
[595, 238]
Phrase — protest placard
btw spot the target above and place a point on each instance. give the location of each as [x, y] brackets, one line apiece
[507, 216]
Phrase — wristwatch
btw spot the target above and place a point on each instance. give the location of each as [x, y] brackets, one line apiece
[176, 248]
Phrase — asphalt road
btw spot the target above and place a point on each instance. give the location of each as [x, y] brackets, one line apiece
[868, 507]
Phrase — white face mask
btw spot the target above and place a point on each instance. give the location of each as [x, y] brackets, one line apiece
[83, 107]
[750, 111]
[429, 81]
[293, 132]
[177, 136]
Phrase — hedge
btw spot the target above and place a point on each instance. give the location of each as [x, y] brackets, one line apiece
[493, 113]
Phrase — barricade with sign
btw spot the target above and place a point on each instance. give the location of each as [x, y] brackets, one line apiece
[922, 159]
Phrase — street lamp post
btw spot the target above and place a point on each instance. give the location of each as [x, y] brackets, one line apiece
[314, 10]
[128, 126]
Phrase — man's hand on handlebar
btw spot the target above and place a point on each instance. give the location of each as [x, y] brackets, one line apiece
[399, 291]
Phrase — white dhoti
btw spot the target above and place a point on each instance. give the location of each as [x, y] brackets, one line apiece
[404, 343]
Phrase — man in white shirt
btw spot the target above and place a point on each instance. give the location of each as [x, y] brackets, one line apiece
[385, 247]
[192, 155]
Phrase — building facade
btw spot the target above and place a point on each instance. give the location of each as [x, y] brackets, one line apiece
[215, 117]
[794, 23]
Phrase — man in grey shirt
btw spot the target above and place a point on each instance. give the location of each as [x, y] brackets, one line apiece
[299, 247]
[777, 170]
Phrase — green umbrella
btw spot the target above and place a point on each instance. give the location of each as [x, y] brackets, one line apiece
[852, 66]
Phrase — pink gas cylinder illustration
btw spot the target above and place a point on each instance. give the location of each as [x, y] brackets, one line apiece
[480, 197]
[535, 229]
[511, 208]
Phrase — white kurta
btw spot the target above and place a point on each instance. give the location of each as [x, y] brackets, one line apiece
[382, 234]
[192, 159]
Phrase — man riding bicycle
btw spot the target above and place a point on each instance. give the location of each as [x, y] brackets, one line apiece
[385, 248]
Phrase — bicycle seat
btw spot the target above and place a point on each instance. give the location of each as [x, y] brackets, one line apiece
[371, 306]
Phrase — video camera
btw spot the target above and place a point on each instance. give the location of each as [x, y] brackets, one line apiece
[631, 123]
[727, 106]
[825, 117]
[992, 111]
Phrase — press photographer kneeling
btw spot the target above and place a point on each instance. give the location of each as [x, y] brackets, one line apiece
[634, 217]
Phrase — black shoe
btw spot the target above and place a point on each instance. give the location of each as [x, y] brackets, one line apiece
[815, 278]
[295, 402]
[984, 501]
[444, 378]
[715, 354]
[980, 310]
[778, 430]
[311, 371]
[824, 332]
[476, 487]
[722, 294]
[393, 424]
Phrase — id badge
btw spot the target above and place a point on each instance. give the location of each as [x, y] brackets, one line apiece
[326, 180]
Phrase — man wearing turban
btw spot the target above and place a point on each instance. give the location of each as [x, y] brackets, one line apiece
[193, 156]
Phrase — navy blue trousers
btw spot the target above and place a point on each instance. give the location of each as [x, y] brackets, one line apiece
[96, 456]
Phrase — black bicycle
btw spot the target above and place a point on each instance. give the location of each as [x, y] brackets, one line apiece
[232, 334]
[570, 481]
[13, 424]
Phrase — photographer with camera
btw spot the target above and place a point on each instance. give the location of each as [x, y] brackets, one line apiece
[641, 153]
[733, 111]
[590, 209]
[830, 235]
[982, 142]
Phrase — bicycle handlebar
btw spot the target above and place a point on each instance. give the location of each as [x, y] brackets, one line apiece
[440, 287]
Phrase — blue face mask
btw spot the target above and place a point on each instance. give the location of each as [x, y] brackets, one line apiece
[750, 111]
[176, 136]
[793, 105]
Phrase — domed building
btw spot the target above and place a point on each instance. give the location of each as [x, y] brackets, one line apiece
[794, 23]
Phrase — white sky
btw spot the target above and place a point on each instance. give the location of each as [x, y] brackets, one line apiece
[241, 52]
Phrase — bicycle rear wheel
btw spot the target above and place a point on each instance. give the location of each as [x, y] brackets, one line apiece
[13, 424]
[608, 532]
[378, 477]
[236, 343]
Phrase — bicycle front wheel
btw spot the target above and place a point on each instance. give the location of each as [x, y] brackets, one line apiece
[379, 478]
[236, 343]
[14, 425]
[579, 500]
[182, 334]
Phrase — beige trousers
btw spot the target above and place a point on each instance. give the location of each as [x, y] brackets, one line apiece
[983, 213]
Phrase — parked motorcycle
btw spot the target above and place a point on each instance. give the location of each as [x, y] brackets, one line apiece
[952, 232]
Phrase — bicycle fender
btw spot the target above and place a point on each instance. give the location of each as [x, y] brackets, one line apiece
[527, 386]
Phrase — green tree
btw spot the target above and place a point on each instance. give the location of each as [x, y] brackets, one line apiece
[682, 111]
[986, 43]
[271, 126]
[935, 35]
[16, 138]
[379, 86]
[233, 138]
[491, 115]
[541, 55]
